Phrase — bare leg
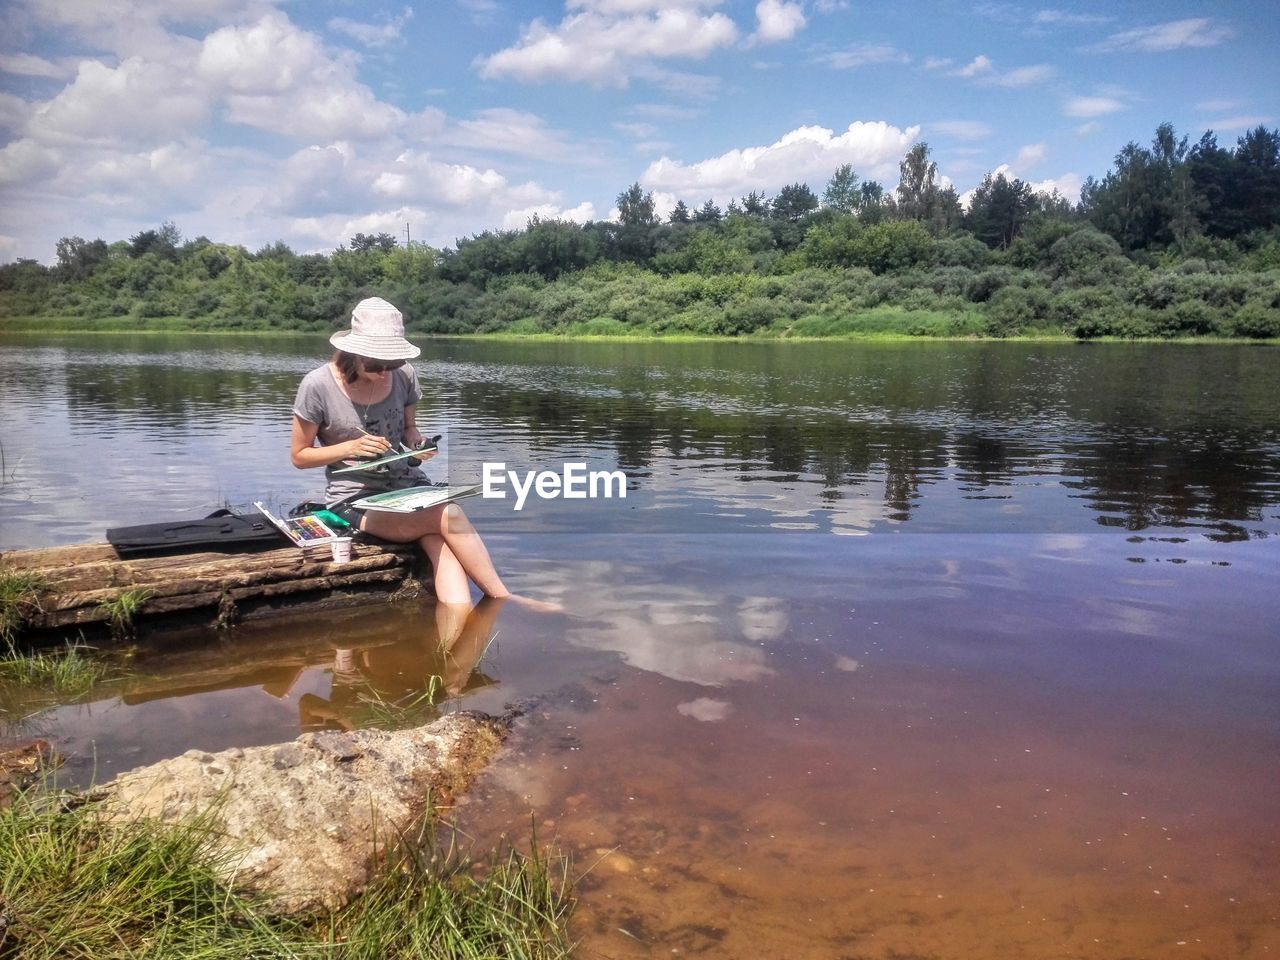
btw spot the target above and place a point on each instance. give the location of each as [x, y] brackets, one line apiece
[471, 552]
[449, 577]
[449, 522]
[470, 644]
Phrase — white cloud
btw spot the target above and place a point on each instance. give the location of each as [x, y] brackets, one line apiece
[417, 177]
[1085, 129]
[861, 56]
[319, 180]
[663, 204]
[139, 27]
[1218, 106]
[29, 65]
[679, 83]
[637, 131]
[1086, 107]
[1161, 38]
[937, 63]
[983, 70]
[518, 132]
[164, 170]
[1051, 17]
[873, 148]
[277, 77]
[136, 101]
[1067, 185]
[977, 67]
[1239, 122]
[25, 162]
[605, 43]
[963, 129]
[483, 12]
[330, 231]
[370, 34]
[1030, 156]
[1024, 76]
[14, 111]
[271, 56]
[665, 111]
[777, 20]
[517, 219]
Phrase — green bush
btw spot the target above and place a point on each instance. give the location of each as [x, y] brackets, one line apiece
[1013, 309]
[1082, 253]
[1085, 309]
[983, 286]
[963, 250]
[1255, 320]
[1192, 318]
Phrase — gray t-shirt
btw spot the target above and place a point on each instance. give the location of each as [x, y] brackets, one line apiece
[322, 402]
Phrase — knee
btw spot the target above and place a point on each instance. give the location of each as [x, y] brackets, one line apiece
[454, 518]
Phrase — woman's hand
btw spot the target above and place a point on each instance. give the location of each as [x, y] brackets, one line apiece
[367, 447]
[414, 439]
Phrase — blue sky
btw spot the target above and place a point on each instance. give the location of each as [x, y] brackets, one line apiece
[252, 121]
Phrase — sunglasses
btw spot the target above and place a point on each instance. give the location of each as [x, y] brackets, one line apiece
[379, 366]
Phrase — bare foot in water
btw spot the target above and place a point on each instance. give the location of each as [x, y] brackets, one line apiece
[538, 606]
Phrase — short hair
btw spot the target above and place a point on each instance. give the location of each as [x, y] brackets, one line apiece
[348, 365]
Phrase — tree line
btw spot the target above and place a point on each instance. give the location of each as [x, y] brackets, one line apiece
[1175, 240]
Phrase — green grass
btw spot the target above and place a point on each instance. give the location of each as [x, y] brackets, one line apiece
[120, 611]
[411, 710]
[19, 598]
[76, 885]
[887, 321]
[67, 674]
[878, 323]
[150, 325]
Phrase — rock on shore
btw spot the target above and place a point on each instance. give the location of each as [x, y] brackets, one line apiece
[304, 822]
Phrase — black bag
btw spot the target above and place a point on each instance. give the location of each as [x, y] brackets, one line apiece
[221, 530]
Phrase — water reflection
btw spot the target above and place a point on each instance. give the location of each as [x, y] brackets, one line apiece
[714, 438]
[390, 667]
[401, 684]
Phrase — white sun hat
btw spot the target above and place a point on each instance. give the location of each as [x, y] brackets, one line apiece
[377, 332]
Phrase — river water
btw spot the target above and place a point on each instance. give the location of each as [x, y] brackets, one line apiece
[891, 650]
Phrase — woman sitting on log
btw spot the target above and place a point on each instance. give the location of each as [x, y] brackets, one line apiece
[360, 406]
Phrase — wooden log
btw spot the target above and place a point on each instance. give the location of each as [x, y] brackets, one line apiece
[222, 576]
[82, 582]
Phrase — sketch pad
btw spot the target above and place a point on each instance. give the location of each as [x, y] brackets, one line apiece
[382, 461]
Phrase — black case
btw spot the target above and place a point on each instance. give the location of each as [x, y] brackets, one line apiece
[221, 530]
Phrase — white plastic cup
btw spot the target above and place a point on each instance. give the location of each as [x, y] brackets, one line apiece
[341, 547]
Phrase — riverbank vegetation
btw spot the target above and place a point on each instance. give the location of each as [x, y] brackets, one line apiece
[74, 883]
[1176, 240]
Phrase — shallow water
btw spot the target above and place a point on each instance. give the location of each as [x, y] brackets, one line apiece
[1049, 728]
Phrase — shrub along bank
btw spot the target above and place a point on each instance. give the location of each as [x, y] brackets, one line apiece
[1074, 283]
[1176, 241]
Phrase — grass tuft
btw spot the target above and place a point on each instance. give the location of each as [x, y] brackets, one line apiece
[439, 905]
[120, 611]
[69, 673]
[19, 598]
[411, 710]
[74, 884]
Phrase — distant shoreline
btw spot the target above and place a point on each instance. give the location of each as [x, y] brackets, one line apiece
[50, 326]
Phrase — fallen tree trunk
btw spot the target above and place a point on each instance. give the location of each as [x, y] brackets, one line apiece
[90, 584]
